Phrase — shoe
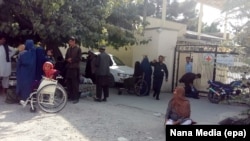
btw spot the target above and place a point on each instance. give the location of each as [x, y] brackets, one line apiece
[97, 100]
[154, 94]
[75, 101]
[157, 98]
[104, 99]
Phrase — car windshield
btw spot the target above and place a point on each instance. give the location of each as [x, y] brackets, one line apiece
[117, 61]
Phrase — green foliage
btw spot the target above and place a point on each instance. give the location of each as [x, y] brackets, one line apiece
[52, 21]
[173, 11]
[238, 13]
[213, 28]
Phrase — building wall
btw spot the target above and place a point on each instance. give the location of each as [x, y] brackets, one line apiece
[156, 23]
[150, 49]
[162, 42]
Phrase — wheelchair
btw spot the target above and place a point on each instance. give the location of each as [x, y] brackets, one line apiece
[50, 96]
[135, 85]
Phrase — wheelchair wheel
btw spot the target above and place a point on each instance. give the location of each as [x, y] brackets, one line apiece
[141, 88]
[52, 98]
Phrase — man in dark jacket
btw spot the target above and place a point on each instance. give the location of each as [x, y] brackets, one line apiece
[103, 62]
[159, 70]
[90, 66]
[188, 80]
[73, 57]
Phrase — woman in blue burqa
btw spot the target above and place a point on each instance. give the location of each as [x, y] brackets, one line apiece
[147, 70]
[40, 60]
[26, 70]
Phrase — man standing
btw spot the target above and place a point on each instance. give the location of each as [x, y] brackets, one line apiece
[188, 80]
[103, 62]
[159, 69]
[5, 62]
[189, 65]
[90, 66]
[73, 57]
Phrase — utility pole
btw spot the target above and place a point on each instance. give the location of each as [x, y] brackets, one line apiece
[164, 10]
[144, 14]
[200, 21]
[225, 27]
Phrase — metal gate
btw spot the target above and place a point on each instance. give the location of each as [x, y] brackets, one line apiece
[205, 59]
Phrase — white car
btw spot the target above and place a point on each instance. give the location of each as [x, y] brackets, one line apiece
[118, 70]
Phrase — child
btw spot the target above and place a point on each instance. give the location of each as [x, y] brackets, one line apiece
[49, 70]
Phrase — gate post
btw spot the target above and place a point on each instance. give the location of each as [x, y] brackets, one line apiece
[215, 56]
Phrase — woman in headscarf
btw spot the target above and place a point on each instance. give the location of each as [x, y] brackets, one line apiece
[147, 71]
[178, 111]
[26, 70]
[129, 83]
[137, 71]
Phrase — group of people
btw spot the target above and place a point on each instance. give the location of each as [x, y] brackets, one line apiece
[159, 71]
[147, 69]
[98, 70]
[188, 79]
[30, 59]
[33, 62]
[179, 110]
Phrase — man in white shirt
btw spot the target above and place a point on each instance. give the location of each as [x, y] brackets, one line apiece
[5, 63]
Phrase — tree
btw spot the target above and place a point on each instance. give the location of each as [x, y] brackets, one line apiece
[124, 19]
[238, 13]
[93, 22]
[213, 28]
[181, 12]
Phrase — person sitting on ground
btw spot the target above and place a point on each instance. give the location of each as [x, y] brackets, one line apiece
[188, 80]
[178, 110]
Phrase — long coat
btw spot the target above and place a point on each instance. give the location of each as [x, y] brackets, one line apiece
[5, 68]
[26, 70]
[147, 70]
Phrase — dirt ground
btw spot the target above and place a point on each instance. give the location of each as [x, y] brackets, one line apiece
[84, 121]
[122, 118]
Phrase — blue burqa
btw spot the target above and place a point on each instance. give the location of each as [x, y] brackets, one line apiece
[40, 60]
[26, 69]
[147, 70]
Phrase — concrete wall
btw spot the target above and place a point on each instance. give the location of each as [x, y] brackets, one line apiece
[156, 23]
[163, 42]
